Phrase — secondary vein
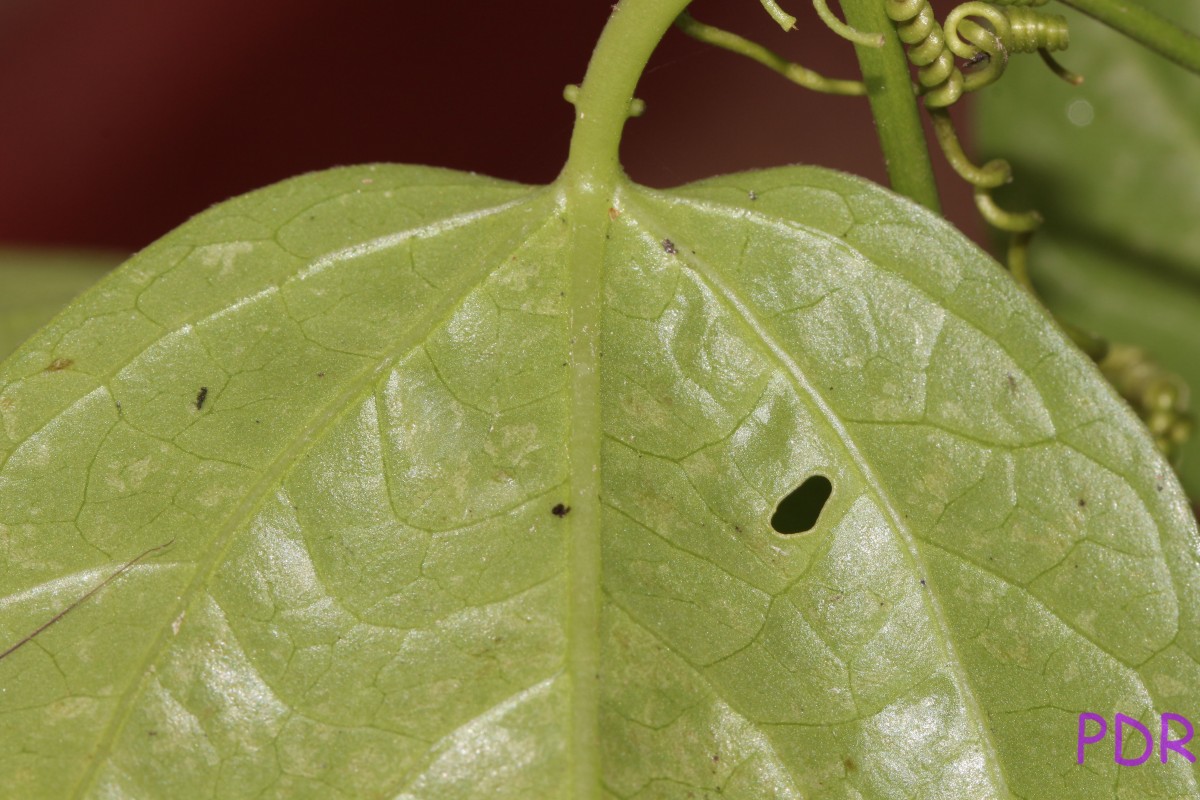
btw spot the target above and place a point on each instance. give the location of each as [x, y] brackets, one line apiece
[318, 423]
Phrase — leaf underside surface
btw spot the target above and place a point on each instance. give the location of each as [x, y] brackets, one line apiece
[345, 402]
[1114, 164]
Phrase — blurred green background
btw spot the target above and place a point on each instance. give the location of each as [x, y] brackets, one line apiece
[1114, 165]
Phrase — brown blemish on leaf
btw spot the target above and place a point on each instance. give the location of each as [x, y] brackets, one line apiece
[849, 764]
[90, 593]
[669, 247]
[613, 213]
[59, 364]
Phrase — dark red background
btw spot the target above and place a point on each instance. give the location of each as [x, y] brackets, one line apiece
[120, 119]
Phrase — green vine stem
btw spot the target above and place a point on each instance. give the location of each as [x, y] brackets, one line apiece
[894, 105]
[1146, 27]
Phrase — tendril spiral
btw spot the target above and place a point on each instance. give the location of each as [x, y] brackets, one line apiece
[1031, 30]
[983, 34]
[1160, 397]
[969, 39]
[987, 33]
[919, 30]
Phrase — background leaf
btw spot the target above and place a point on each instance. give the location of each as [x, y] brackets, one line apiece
[1115, 166]
[36, 284]
[334, 415]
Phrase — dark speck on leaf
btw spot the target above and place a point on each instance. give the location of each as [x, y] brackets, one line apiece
[201, 396]
[849, 764]
[922, 581]
[669, 246]
[560, 510]
[1082, 503]
[320, 374]
[59, 364]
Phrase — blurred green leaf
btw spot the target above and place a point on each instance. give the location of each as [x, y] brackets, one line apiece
[36, 284]
[1115, 167]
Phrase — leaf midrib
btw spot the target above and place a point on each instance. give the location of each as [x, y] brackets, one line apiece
[588, 222]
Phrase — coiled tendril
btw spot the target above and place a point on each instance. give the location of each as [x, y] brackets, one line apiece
[998, 32]
[939, 77]
[984, 34]
[1158, 396]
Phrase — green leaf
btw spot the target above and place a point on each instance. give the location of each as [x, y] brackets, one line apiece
[36, 284]
[1114, 165]
[345, 408]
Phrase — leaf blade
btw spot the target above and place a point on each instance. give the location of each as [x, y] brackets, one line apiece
[896, 447]
[372, 581]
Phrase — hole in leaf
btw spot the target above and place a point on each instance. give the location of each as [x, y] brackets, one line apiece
[799, 511]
